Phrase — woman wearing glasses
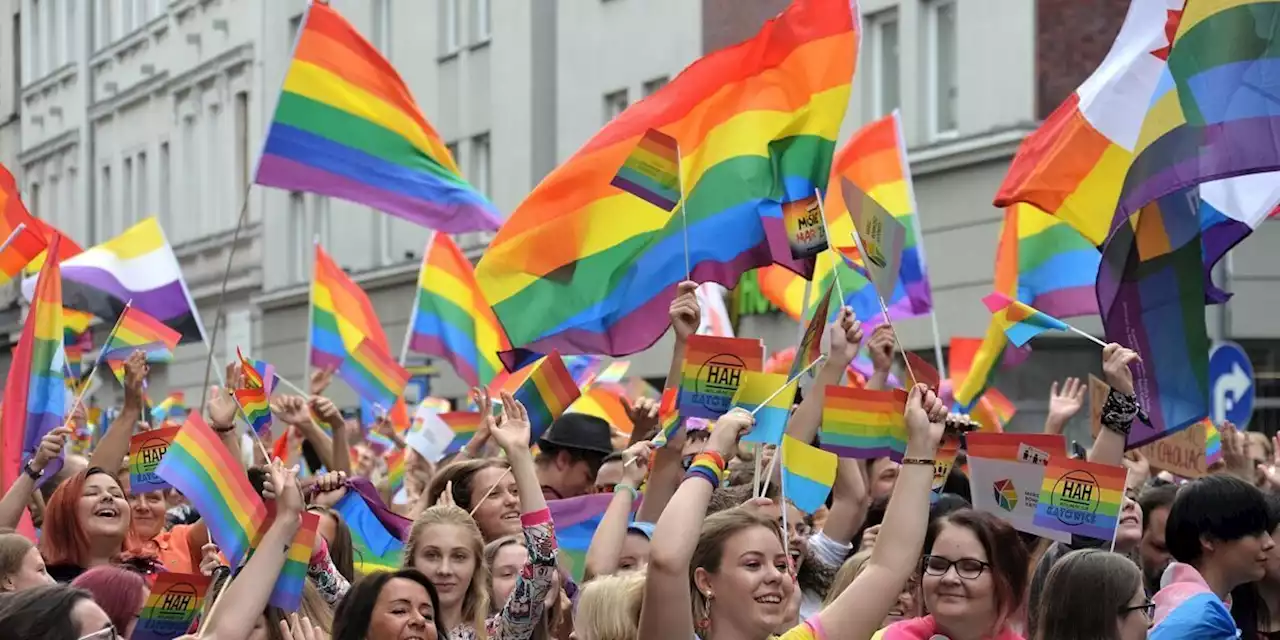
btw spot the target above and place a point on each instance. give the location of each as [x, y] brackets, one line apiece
[1094, 595]
[974, 578]
[54, 612]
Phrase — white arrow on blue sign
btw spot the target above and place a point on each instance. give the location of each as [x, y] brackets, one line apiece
[1231, 389]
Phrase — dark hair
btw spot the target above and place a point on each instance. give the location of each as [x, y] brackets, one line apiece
[461, 473]
[1005, 553]
[1219, 507]
[354, 614]
[548, 452]
[1084, 594]
[42, 613]
[341, 550]
[1153, 498]
[1248, 608]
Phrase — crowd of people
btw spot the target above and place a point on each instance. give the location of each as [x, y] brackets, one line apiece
[688, 548]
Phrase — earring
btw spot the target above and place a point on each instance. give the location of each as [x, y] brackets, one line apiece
[704, 623]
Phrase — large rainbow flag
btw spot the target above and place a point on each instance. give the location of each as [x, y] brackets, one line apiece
[451, 318]
[584, 267]
[35, 388]
[14, 213]
[137, 265]
[341, 314]
[346, 126]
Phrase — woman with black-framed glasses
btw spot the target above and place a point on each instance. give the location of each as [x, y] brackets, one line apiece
[1093, 594]
[54, 612]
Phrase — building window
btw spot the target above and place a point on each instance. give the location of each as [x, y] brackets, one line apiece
[37, 42]
[295, 25]
[480, 164]
[382, 27]
[191, 171]
[73, 203]
[55, 212]
[940, 24]
[453, 152]
[33, 204]
[481, 21]
[144, 188]
[127, 212]
[651, 87]
[54, 26]
[614, 104]
[242, 141]
[108, 212]
[449, 37]
[166, 192]
[215, 177]
[300, 236]
[71, 31]
[17, 60]
[885, 84]
[106, 23]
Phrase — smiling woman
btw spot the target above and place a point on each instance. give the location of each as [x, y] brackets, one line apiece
[85, 524]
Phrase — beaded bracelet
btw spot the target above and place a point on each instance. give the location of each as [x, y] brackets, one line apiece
[622, 486]
[708, 466]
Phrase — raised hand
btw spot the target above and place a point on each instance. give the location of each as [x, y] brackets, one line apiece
[330, 488]
[222, 404]
[686, 315]
[1115, 367]
[846, 337]
[292, 410]
[296, 628]
[135, 373]
[880, 346]
[926, 418]
[729, 428]
[328, 411]
[644, 416]
[320, 379]
[282, 486]
[514, 432]
[485, 429]
[1067, 402]
[50, 447]
[636, 462]
[209, 560]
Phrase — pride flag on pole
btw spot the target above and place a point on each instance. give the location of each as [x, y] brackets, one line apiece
[652, 171]
[546, 394]
[1019, 320]
[862, 423]
[1080, 497]
[808, 473]
[171, 607]
[771, 418]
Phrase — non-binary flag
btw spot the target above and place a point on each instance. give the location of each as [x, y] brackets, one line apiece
[346, 126]
[652, 171]
[35, 387]
[863, 423]
[138, 269]
[451, 318]
[1082, 498]
[585, 268]
[199, 465]
[771, 413]
[546, 394]
[1020, 321]
[808, 473]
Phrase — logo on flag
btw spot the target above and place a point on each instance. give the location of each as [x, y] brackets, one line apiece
[1075, 498]
[1006, 495]
[718, 380]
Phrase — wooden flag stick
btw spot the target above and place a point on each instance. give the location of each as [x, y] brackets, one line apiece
[1096, 341]
[790, 381]
[684, 216]
[835, 273]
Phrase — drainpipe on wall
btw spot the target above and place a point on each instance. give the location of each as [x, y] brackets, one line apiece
[89, 146]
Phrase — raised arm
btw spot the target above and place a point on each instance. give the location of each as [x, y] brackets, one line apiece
[1108, 448]
[19, 494]
[114, 445]
[340, 452]
[881, 346]
[295, 412]
[859, 610]
[686, 316]
[1063, 404]
[667, 611]
[606, 544]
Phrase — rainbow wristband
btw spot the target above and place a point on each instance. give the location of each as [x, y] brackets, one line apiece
[705, 467]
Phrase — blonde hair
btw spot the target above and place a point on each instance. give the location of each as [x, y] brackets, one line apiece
[609, 607]
[849, 571]
[475, 604]
[716, 531]
[313, 607]
[13, 552]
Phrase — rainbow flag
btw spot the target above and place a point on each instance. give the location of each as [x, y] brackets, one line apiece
[771, 417]
[341, 315]
[810, 349]
[713, 368]
[395, 470]
[1080, 497]
[581, 267]
[668, 417]
[808, 473]
[346, 126]
[652, 171]
[287, 592]
[20, 247]
[576, 521]
[1019, 320]
[374, 374]
[606, 404]
[1212, 443]
[146, 450]
[173, 406]
[614, 372]
[77, 340]
[13, 214]
[546, 393]
[265, 372]
[137, 331]
[451, 318]
[253, 397]
[376, 548]
[172, 605]
[198, 465]
[863, 424]
[1151, 291]
[35, 386]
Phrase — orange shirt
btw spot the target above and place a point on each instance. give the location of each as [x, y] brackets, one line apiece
[173, 548]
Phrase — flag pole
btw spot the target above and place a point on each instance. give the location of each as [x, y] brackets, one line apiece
[1086, 334]
[413, 313]
[790, 381]
[684, 216]
[835, 272]
[13, 236]
[98, 360]
[884, 310]
[222, 294]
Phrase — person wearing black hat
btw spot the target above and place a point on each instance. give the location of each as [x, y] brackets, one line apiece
[570, 454]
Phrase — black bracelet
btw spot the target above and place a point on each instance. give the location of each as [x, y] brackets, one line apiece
[31, 472]
[1119, 411]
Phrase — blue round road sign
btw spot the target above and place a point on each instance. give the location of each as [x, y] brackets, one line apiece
[1231, 388]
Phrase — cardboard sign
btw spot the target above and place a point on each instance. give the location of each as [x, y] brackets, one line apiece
[146, 449]
[713, 369]
[1098, 392]
[806, 233]
[1182, 454]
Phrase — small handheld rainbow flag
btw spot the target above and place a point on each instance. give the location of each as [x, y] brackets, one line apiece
[173, 406]
[138, 331]
[713, 368]
[614, 372]
[771, 418]
[77, 340]
[1081, 497]
[253, 397]
[464, 425]
[171, 607]
[374, 374]
[652, 171]
[861, 423]
[395, 470]
[1019, 320]
[808, 473]
[1212, 443]
[287, 592]
[546, 393]
[375, 548]
[810, 348]
[198, 465]
[146, 450]
[668, 417]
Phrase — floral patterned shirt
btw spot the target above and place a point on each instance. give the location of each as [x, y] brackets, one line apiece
[524, 607]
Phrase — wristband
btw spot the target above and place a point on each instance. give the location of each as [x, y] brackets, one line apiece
[622, 486]
[1119, 411]
[31, 472]
[707, 465]
[920, 461]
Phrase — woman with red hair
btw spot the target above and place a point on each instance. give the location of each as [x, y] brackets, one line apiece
[119, 591]
[85, 524]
